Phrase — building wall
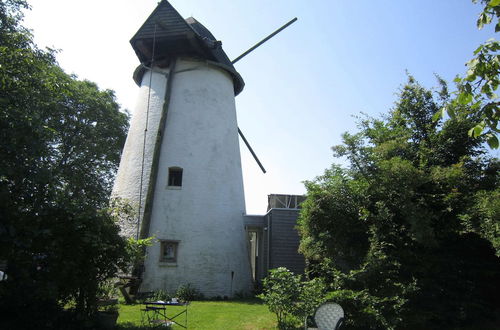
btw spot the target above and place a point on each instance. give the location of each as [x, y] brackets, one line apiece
[206, 214]
[128, 179]
[278, 241]
[284, 241]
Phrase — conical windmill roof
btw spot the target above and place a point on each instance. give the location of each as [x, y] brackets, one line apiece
[172, 36]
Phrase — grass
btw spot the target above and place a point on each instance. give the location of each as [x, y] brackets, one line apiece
[236, 314]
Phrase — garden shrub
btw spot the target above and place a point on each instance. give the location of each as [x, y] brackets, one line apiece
[291, 299]
[187, 292]
[162, 295]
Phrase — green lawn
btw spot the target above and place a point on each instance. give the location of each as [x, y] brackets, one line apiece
[239, 314]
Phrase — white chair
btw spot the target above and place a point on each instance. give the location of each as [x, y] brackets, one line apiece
[329, 316]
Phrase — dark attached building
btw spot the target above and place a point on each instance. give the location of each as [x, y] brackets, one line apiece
[273, 237]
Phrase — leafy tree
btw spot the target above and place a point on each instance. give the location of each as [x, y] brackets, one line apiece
[60, 141]
[403, 236]
[478, 88]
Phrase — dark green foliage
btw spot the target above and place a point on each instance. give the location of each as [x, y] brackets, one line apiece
[484, 217]
[60, 141]
[404, 236]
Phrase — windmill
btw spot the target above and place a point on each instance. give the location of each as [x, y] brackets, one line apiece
[181, 161]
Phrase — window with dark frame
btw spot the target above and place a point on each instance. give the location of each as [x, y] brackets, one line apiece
[175, 177]
[168, 251]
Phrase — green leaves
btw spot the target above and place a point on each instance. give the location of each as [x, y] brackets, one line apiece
[439, 114]
[484, 19]
[280, 292]
[476, 130]
[464, 99]
[494, 3]
[492, 141]
[287, 296]
[379, 231]
[490, 11]
[60, 141]
[477, 90]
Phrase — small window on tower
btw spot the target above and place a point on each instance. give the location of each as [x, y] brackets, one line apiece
[168, 251]
[175, 177]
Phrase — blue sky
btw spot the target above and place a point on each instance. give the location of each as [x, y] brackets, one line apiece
[303, 87]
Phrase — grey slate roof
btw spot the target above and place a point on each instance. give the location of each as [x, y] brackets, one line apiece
[173, 36]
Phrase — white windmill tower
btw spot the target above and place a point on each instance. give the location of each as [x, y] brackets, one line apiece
[181, 162]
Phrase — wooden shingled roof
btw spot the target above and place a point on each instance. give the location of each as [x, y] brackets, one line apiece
[172, 36]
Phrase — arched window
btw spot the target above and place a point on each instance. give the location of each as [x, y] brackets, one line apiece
[175, 177]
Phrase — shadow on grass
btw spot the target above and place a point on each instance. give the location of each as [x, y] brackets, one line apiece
[130, 326]
[243, 301]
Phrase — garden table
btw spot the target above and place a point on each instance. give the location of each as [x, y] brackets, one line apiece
[155, 313]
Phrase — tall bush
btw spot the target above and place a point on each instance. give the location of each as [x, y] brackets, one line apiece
[404, 235]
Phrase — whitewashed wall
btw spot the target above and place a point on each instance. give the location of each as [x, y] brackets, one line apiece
[206, 214]
[128, 179]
